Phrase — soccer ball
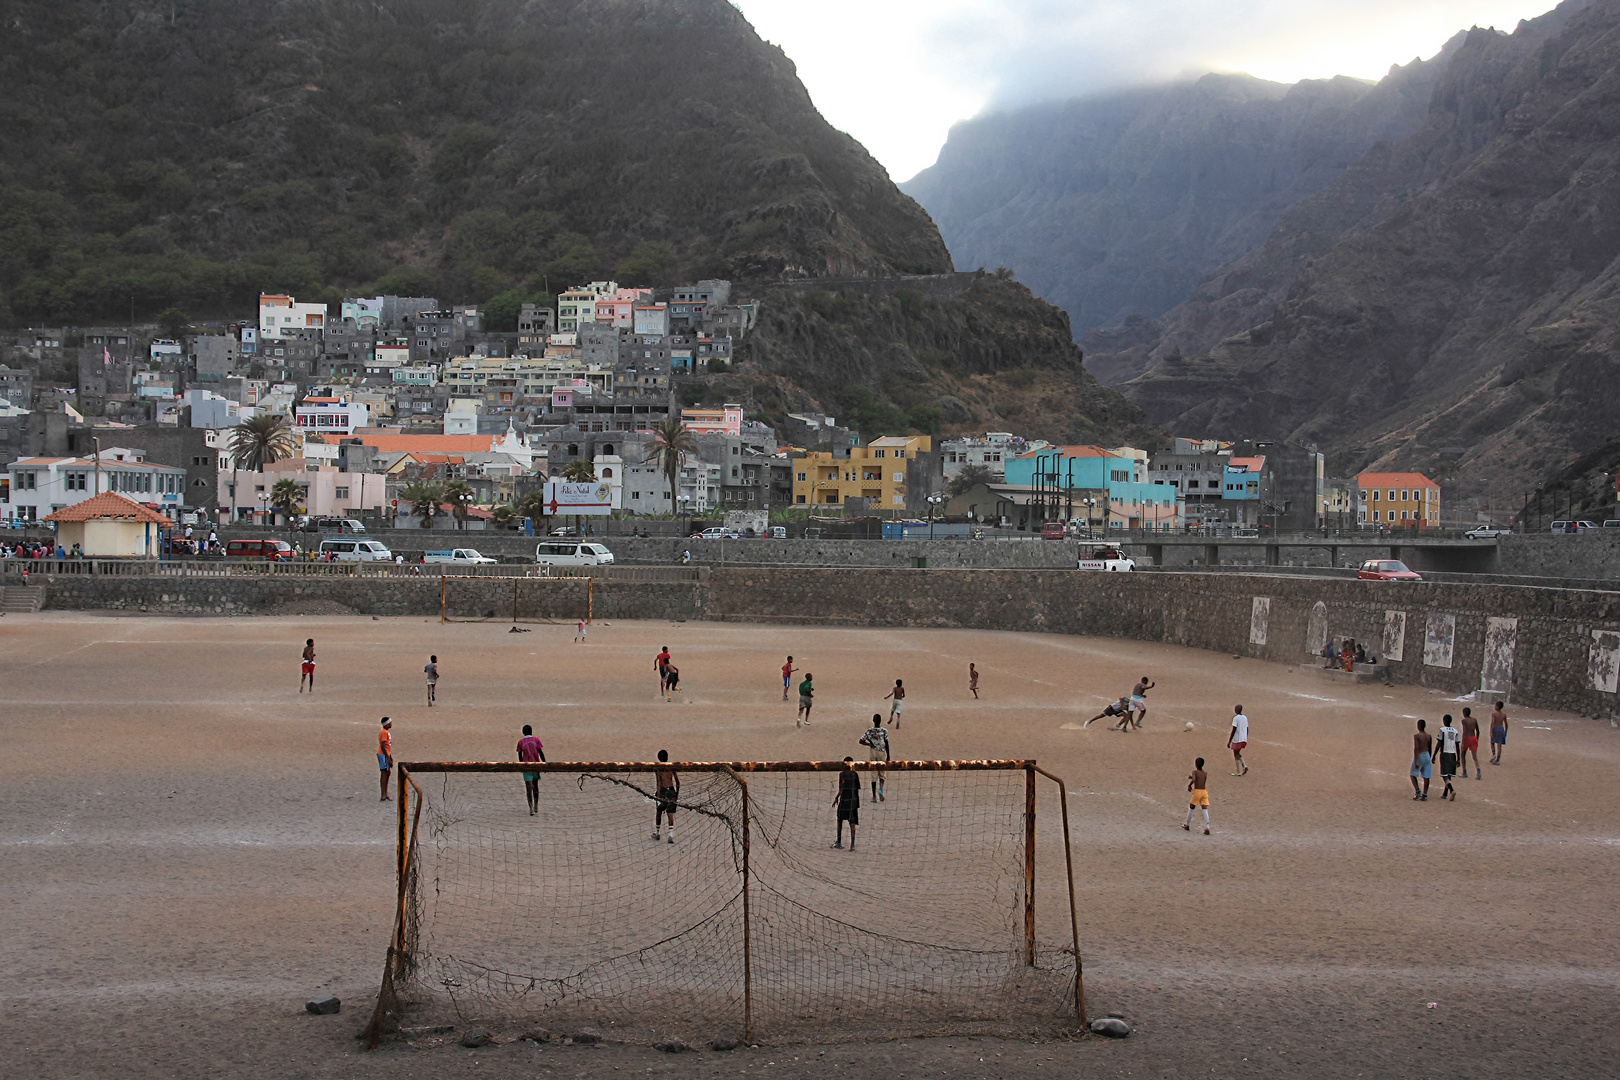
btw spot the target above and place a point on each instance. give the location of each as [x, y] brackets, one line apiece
[1189, 725]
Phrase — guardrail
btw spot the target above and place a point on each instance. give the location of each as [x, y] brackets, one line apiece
[266, 568]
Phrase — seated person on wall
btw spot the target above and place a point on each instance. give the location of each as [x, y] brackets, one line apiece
[1348, 654]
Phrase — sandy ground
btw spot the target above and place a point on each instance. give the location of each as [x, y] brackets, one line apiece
[189, 848]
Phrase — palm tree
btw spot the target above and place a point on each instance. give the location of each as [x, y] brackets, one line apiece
[533, 507]
[424, 499]
[256, 442]
[285, 495]
[460, 496]
[671, 440]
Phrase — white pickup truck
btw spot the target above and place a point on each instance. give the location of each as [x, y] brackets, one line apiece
[459, 556]
[1105, 559]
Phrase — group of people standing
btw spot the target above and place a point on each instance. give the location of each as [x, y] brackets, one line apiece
[1453, 744]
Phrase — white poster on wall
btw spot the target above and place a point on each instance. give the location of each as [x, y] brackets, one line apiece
[593, 499]
[1438, 636]
[1316, 631]
[1603, 665]
[1394, 635]
[1496, 669]
[1260, 620]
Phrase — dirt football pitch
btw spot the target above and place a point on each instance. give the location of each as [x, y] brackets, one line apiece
[189, 848]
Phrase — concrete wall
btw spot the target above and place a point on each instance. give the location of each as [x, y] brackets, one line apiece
[558, 598]
[1594, 554]
[1550, 651]
[1535, 646]
[666, 551]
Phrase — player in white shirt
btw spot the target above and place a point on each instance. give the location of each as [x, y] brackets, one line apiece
[1239, 739]
[1450, 740]
[877, 738]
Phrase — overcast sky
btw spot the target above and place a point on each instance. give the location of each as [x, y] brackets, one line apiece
[896, 74]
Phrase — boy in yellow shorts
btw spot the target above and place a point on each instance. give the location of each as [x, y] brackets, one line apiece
[1198, 783]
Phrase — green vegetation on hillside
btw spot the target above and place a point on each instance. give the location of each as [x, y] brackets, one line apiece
[191, 153]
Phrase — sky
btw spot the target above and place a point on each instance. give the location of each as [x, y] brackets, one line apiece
[896, 74]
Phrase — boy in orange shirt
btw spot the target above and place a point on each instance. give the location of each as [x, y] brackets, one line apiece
[385, 754]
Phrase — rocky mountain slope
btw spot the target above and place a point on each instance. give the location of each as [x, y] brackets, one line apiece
[1457, 289]
[1118, 205]
[194, 152]
[198, 152]
[958, 352]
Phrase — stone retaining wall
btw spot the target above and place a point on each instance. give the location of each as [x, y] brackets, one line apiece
[1556, 648]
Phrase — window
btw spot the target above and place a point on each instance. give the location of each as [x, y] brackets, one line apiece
[342, 492]
[879, 453]
[75, 481]
[899, 453]
[1404, 493]
[899, 477]
[1364, 496]
[1392, 495]
[801, 477]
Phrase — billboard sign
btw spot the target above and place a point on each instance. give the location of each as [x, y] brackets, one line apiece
[591, 499]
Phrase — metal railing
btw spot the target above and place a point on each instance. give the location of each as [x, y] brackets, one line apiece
[137, 567]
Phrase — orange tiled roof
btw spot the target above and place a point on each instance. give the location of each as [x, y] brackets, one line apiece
[109, 505]
[430, 444]
[1394, 479]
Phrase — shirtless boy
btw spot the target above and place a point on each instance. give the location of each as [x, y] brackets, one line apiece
[1139, 699]
[309, 667]
[898, 703]
[973, 681]
[1198, 785]
[669, 793]
[1499, 726]
[1470, 741]
[1422, 761]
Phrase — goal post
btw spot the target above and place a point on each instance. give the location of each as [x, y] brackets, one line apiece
[742, 916]
[516, 598]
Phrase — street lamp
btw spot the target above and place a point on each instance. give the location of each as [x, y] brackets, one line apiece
[933, 501]
[1089, 502]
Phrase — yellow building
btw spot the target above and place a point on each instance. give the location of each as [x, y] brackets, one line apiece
[876, 472]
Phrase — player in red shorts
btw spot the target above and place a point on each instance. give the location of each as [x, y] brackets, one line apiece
[1239, 739]
[1470, 741]
[309, 667]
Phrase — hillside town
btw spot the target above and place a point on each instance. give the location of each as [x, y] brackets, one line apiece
[398, 410]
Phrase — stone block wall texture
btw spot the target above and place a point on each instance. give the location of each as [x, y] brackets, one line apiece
[1549, 649]
[561, 599]
[1593, 555]
[509, 546]
[1550, 655]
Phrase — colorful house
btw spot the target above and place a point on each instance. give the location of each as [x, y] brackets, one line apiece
[1401, 500]
[110, 526]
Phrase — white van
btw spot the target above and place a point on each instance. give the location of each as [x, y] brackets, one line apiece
[356, 551]
[571, 553]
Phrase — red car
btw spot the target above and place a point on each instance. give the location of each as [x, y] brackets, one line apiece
[1387, 570]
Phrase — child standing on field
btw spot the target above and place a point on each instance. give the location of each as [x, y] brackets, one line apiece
[432, 671]
[579, 634]
[973, 681]
[1198, 785]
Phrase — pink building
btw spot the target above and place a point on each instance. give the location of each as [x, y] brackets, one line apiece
[327, 492]
[619, 310]
[726, 420]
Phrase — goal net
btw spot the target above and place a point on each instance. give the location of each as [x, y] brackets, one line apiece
[751, 921]
[513, 598]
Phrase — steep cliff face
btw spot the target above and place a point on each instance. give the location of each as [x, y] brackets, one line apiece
[1119, 205]
[197, 152]
[1459, 289]
[967, 353]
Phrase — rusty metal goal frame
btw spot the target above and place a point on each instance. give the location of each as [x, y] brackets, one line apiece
[385, 1014]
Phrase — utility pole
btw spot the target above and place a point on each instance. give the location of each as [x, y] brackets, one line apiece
[97, 444]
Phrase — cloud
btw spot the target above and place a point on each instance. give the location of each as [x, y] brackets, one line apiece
[897, 73]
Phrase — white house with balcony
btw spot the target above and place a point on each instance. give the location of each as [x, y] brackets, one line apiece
[282, 316]
[330, 416]
[38, 486]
